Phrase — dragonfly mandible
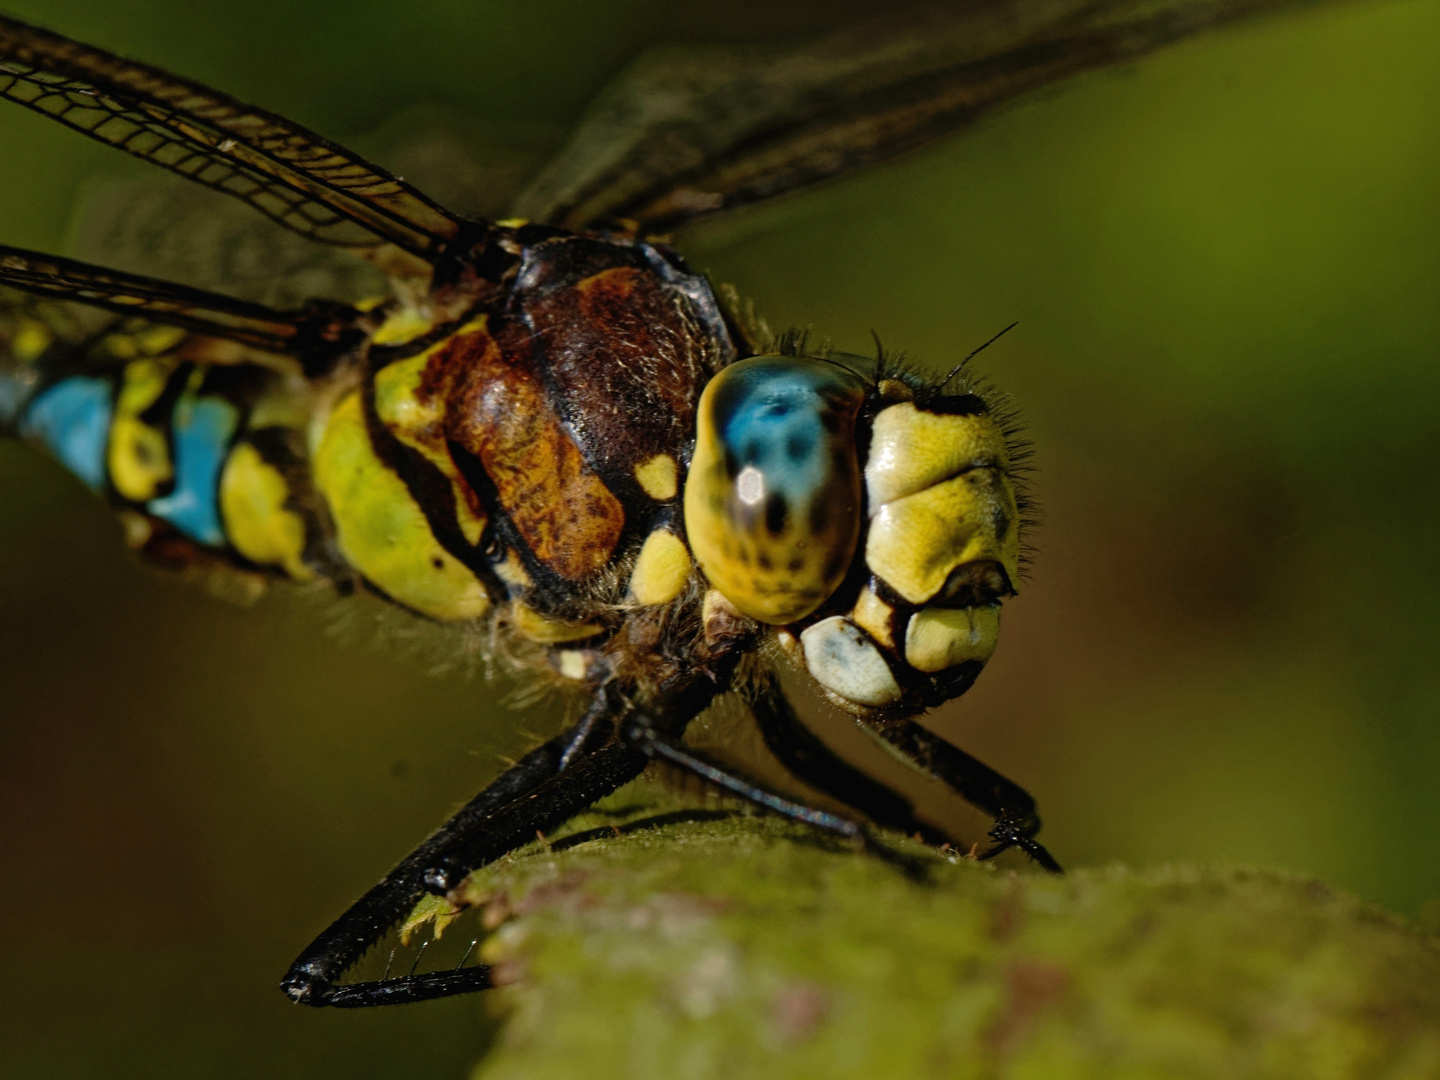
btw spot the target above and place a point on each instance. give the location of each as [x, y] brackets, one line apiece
[554, 429]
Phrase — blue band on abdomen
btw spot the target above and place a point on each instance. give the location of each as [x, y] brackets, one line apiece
[202, 429]
[72, 420]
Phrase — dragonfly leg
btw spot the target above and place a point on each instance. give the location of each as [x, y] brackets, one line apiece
[809, 760]
[531, 796]
[1012, 807]
[639, 732]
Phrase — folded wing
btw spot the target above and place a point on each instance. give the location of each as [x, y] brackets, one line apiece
[686, 132]
[292, 175]
[204, 312]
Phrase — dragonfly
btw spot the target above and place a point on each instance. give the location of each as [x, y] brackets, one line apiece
[553, 432]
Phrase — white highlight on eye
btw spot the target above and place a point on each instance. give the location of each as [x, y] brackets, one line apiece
[750, 485]
[844, 660]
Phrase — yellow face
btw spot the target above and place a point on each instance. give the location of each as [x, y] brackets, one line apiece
[942, 549]
[887, 579]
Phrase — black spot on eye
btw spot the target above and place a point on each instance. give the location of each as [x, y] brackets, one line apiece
[438, 563]
[776, 511]
[799, 448]
[819, 516]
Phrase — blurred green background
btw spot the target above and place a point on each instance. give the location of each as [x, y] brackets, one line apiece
[1224, 263]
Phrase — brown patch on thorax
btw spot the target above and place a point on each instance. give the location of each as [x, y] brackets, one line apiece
[500, 412]
[628, 360]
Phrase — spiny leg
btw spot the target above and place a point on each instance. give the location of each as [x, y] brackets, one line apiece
[1012, 807]
[529, 796]
[433, 867]
[809, 760]
[639, 731]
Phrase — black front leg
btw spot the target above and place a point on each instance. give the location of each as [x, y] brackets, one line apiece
[531, 796]
[640, 732]
[809, 760]
[1012, 807]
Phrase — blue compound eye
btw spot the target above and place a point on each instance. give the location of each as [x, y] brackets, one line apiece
[772, 502]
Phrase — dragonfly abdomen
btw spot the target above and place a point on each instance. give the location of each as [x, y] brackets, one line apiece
[204, 459]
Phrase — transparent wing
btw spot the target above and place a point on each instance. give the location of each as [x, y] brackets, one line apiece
[299, 179]
[194, 309]
[686, 132]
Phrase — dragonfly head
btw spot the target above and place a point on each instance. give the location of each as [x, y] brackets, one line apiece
[877, 525]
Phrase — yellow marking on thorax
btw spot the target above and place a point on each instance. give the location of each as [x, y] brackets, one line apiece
[874, 616]
[253, 494]
[548, 629]
[512, 572]
[661, 570]
[402, 325]
[138, 456]
[419, 422]
[658, 477]
[380, 529]
[572, 664]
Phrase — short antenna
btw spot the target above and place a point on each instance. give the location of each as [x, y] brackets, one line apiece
[974, 353]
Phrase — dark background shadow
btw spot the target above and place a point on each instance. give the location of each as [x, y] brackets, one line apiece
[1225, 268]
